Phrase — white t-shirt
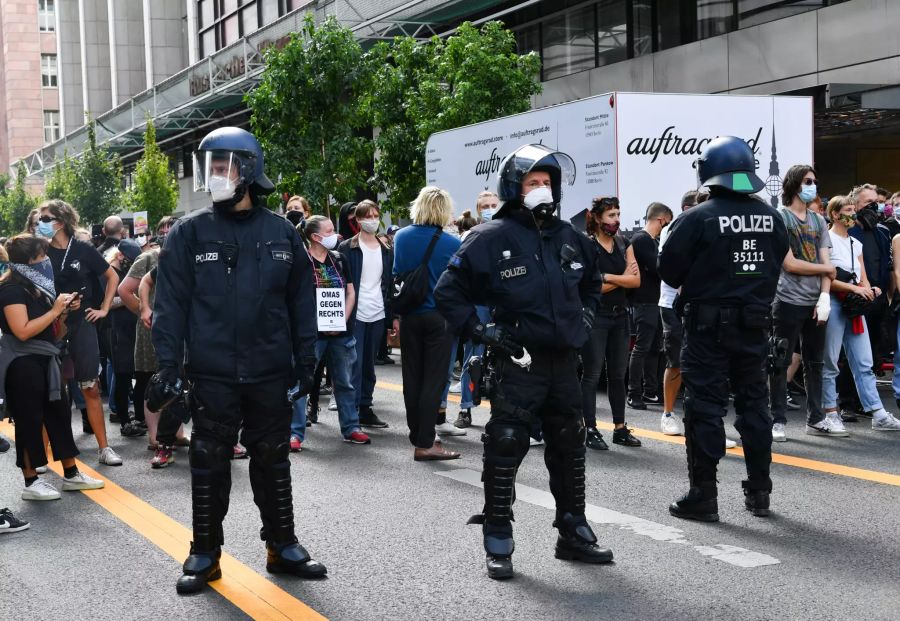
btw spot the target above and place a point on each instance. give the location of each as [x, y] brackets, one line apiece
[370, 303]
[666, 293]
[841, 253]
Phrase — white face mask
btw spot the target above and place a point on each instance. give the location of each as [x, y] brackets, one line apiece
[487, 214]
[369, 226]
[329, 241]
[141, 240]
[220, 188]
[537, 197]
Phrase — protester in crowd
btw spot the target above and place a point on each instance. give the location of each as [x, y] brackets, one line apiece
[643, 366]
[33, 323]
[802, 303]
[347, 224]
[608, 342]
[370, 261]
[4, 267]
[424, 337]
[848, 256]
[817, 207]
[123, 325]
[114, 231]
[32, 221]
[76, 266]
[297, 211]
[332, 272]
[487, 205]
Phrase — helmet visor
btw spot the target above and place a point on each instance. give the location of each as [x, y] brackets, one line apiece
[530, 156]
[216, 171]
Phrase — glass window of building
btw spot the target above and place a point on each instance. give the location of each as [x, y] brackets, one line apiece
[612, 31]
[228, 6]
[249, 21]
[753, 12]
[47, 15]
[714, 18]
[230, 32]
[642, 27]
[206, 12]
[569, 43]
[269, 11]
[51, 126]
[48, 71]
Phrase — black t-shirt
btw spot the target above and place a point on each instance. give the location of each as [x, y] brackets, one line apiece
[646, 251]
[613, 262]
[84, 267]
[16, 293]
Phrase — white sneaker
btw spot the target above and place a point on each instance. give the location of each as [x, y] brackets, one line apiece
[41, 469]
[449, 429]
[533, 442]
[109, 457]
[671, 425]
[778, 434]
[837, 425]
[729, 443]
[883, 420]
[827, 427]
[332, 406]
[456, 388]
[81, 481]
[40, 490]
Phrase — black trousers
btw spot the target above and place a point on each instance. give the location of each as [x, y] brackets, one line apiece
[426, 344]
[141, 379]
[608, 343]
[27, 400]
[711, 359]
[546, 394]
[794, 322]
[643, 366]
[261, 414]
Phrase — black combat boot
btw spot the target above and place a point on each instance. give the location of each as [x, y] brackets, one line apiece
[198, 569]
[292, 558]
[700, 503]
[756, 498]
[577, 542]
[499, 546]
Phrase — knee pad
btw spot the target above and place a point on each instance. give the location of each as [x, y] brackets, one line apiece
[572, 433]
[208, 453]
[505, 441]
[271, 450]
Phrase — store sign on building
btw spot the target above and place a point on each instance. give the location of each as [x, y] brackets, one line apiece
[200, 79]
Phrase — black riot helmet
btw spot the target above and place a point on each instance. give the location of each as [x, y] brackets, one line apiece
[532, 158]
[728, 162]
[229, 162]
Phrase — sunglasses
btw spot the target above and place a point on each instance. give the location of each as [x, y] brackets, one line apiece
[809, 181]
[46, 219]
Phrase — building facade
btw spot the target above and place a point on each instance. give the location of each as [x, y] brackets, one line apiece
[187, 63]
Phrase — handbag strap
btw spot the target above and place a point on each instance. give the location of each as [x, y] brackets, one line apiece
[431, 245]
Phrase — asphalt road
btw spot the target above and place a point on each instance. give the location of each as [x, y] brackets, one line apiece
[393, 535]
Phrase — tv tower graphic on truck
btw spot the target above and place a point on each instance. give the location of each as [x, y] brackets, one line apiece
[773, 181]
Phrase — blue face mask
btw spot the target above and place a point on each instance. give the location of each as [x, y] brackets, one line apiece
[808, 193]
[45, 229]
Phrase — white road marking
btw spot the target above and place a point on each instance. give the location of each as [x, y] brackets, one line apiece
[733, 555]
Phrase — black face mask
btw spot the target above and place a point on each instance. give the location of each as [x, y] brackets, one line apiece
[126, 264]
[867, 219]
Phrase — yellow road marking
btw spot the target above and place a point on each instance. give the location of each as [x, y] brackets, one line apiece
[246, 589]
[787, 460]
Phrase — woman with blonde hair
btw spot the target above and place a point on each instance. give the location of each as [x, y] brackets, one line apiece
[424, 337]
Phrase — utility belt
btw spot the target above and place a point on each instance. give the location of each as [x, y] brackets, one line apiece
[611, 310]
[699, 317]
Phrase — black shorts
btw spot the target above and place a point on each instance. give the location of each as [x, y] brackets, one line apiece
[84, 351]
[673, 335]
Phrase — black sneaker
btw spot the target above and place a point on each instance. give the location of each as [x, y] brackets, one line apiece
[114, 418]
[10, 523]
[624, 437]
[652, 399]
[385, 360]
[368, 418]
[791, 404]
[4, 444]
[312, 412]
[464, 420]
[595, 441]
[849, 416]
[797, 388]
[130, 430]
[636, 404]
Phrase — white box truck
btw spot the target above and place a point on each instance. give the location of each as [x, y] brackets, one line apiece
[638, 146]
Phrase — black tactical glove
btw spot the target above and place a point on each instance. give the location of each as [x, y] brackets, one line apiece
[587, 318]
[305, 374]
[164, 388]
[498, 338]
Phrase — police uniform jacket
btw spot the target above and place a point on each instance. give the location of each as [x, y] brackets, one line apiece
[534, 293]
[238, 293]
[726, 252]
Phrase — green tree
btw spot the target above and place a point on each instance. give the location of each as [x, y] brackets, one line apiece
[417, 89]
[15, 203]
[155, 188]
[62, 180]
[306, 114]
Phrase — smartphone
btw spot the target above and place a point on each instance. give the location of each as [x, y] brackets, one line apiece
[78, 294]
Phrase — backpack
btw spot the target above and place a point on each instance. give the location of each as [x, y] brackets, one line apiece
[410, 289]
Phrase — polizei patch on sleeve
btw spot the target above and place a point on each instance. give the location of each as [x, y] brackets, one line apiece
[283, 255]
[513, 272]
[205, 257]
[746, 223]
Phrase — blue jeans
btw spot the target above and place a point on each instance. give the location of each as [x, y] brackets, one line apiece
[298, 418]
[368, 340]
[340, 354]
[111, 386]
[469, 349]
[896, 380]
[839, 332]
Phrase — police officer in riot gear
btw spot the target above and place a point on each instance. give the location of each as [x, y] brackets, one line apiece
[235, 295]
[726, 256]
[537, 274]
